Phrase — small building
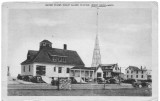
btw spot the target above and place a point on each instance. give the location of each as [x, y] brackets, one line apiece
[133, 72]
[86, 73]
[110, 70]
[51, 62]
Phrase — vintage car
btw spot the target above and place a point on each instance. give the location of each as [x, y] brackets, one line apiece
[37, 79]
[141, 84]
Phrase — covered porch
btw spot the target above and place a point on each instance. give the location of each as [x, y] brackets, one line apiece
[83, 74]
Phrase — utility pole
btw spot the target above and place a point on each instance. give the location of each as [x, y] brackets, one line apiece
[8, 71]
[58, 82]
[120, 77]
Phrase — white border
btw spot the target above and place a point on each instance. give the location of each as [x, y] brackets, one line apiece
[84, 97]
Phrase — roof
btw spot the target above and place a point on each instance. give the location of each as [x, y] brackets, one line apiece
[46, 41]
[107, 66]
[134, 68]
[45, 56]
[82, 67]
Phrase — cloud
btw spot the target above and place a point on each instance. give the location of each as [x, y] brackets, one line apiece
[46, 22]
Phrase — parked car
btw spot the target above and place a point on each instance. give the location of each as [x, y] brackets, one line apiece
[37, 79]
[111, 81]
[19, 77]
[27, 77]
[100, 80]
[130, 81]
[54, 82]
[141, 84]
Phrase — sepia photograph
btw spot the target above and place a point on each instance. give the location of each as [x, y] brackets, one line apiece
[103, 49]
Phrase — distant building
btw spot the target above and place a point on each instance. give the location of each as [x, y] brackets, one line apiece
[110, 70]
[51, 62]
[149, 74]
[133, 72]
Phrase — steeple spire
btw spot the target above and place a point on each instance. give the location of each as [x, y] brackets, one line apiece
[96, 60]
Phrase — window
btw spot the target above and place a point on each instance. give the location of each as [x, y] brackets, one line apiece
[63, 59]
[127, 71]
[60, 70]
[127, 76]
[55, 58]
[59, 59]
[131, 71]
[137, 72]
[29, 68]
[44, 44]
[98, 74]
[142, 72]
[54, 69]
[40, 70]
[142, 76]
[67, 70]
[136, 76]
[24, 68]
[131, 76]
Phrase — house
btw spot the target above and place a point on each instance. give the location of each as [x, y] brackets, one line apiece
[86, 73]
[149, 74]
[51, 62]
[133, 72]
[102, 71]
[110, 70]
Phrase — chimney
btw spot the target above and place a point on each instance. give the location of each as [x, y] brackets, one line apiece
[65, 47]
[141, 67]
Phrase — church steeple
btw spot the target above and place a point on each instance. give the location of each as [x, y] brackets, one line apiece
[96, 60]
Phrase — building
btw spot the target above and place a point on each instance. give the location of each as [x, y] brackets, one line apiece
[102, 71]
[86, 73]
[149, 74]
[133, 72]
[51, 62]
[110, 70]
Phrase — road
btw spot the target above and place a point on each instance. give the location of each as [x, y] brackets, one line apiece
[93, 92]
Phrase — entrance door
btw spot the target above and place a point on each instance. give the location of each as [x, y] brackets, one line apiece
[40, 70]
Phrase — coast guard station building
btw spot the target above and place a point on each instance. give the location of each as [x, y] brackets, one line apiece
[50, 62]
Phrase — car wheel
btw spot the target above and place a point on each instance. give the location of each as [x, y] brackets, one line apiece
[140, 86]
[149, 86]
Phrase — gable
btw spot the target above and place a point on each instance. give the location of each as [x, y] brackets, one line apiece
[99, 69]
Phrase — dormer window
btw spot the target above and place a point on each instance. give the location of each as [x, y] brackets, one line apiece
[59, 58]
[44, 44]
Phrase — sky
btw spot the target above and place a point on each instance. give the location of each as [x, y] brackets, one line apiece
[124, 34]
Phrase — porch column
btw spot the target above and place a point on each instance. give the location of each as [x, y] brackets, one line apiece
[80, 75]
[84, 75]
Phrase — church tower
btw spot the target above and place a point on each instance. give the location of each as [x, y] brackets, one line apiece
[96, 60]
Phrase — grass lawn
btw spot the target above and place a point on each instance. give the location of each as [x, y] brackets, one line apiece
[107, 92]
